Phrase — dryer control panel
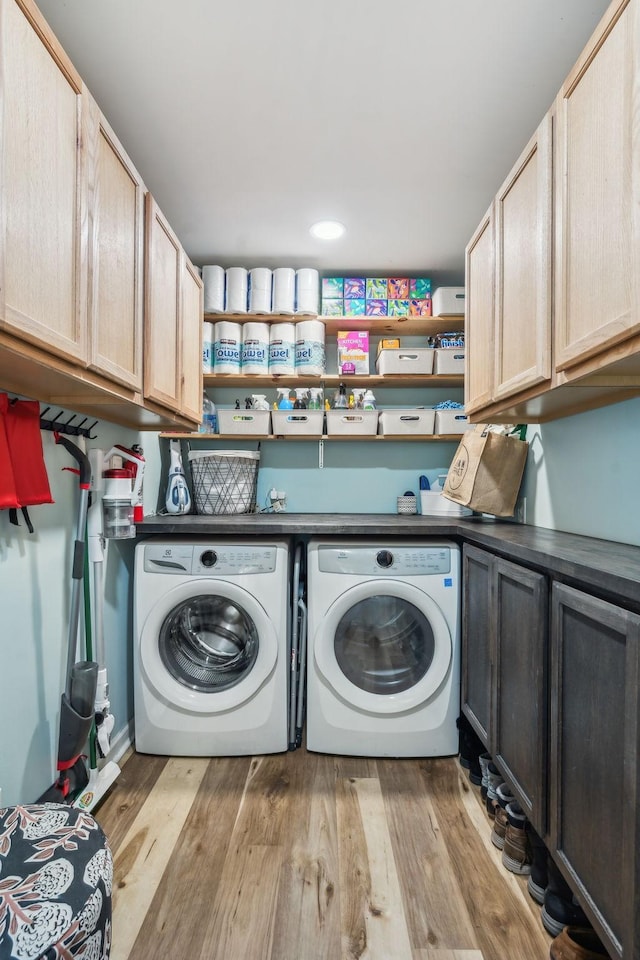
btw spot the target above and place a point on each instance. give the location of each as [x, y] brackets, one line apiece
[213, 560]
[395, 560]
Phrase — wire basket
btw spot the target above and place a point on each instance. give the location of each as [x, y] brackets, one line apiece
[224, 481]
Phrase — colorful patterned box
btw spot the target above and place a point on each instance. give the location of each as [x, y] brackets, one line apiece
[354, 288]
[398, 308]
[419, 288]
[332, 308]
[420, 308]
[354, 308]
[398, 288]
[376, 288]
[375, 308]
[332, 288]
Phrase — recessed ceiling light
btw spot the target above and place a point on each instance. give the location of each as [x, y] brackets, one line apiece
[327, 230]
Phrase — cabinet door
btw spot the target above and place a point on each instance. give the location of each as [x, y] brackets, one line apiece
[479, 321]
[163, 261]
[595, 680]
[519, 744]
[523, 269]
[477, 654]
[598, 243]
[191, 343]
[116, 247]
[43, 297]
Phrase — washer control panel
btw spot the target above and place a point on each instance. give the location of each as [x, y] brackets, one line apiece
[395, 560]
[214, 560]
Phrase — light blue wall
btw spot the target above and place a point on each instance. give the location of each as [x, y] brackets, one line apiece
[582, 473]
[35, 591]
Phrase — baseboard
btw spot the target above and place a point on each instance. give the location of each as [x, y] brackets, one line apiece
[121, 742]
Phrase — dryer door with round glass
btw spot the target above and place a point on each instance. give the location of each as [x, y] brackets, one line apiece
[208, 646]
[384, 646]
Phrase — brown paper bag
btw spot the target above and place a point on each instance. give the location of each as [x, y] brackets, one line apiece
[486, 472]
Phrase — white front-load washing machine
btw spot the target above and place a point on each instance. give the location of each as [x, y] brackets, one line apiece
[383, 667]
[211, 659]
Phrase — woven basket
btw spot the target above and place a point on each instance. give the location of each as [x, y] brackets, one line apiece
[224, 481]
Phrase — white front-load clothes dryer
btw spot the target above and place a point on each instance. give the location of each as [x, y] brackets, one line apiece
[383, 667]
[211, 660]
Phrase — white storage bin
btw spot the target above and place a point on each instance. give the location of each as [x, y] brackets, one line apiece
[297, 422]
[405, 360]
[352, 422]
[448, 360]
[256, 422]
[395, 422]
[433, 504]
[448, 302]
[451, 421]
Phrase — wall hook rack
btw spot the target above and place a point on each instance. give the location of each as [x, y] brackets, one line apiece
[67, 427]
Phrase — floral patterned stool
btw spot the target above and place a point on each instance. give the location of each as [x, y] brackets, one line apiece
[55, 884]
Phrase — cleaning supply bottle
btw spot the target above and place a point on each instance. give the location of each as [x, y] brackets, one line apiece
[301, 398]
[209, 416]
[259, 401]
[284, 401]
[315, 398]
[340, 399]
[178, 499]
[368, 401]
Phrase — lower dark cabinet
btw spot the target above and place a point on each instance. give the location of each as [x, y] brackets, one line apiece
[594, 775]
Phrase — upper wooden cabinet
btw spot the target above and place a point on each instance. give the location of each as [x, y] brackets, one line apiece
[116, 253]
[479, 322]
[580, 349]
[173, 320]
[43, 199]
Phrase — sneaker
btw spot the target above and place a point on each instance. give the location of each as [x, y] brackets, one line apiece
[471, 747]
[516, 853]
[503, 797]
[495, 778]
[484, 759]
[538, 878]
[577, 943]
[559, 906]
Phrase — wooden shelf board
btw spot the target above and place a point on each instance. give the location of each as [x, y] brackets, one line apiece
[235, 437]
[378, 326]
[332, 380]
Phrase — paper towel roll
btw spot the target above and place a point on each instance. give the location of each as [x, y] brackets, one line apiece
[283, 294]
[307, 292]
[282, 349]
[255, 348]
[236, 292]
[260, 279]
[213, 280]
[227, 347]
[208, 342]
[310, 355]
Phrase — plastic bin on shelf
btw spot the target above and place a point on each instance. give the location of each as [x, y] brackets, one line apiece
[411, 422]
[434, 504]
[448, 360]
[452, 421]
[254, 422]
[352, 423]
[297, 422]
[410, 360]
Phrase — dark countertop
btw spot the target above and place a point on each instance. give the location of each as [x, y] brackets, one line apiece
[609, 569]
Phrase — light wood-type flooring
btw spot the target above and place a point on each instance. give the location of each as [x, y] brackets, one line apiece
[302, 856]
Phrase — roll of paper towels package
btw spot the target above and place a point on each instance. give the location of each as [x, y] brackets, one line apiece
[283, 293]
[213, 281]
[227, 348]
[310, 353]
[260, 280]
[208, 343]
[255, 348]
[236, 290]
[282, 349]
[307, 292]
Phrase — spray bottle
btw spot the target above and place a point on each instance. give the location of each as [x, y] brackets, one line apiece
[284, 402]
[315, 398]
[178, 499]
[301, 398]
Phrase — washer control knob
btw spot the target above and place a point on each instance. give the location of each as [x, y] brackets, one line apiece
[384, 558]
[209, 558]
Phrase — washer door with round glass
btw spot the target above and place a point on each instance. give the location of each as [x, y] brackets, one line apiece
[207, 646]
[383, 647]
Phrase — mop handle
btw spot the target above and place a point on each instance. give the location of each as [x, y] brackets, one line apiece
[77, 572]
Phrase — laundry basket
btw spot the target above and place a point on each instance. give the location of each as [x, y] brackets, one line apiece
[224, 481]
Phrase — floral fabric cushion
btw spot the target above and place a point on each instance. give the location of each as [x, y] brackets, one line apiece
[56, 874]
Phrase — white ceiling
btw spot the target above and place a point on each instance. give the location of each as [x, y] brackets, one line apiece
[249, 120]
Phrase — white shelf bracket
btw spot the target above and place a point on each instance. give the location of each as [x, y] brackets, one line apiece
[320, 454]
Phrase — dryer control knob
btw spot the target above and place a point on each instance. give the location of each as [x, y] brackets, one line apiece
[209, 558]
[384, 558]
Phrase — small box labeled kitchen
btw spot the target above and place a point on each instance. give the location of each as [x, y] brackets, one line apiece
[353, 347]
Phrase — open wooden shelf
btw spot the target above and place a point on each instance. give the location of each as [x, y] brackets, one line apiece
[235, 437]
[333, 380]
[377, 326]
